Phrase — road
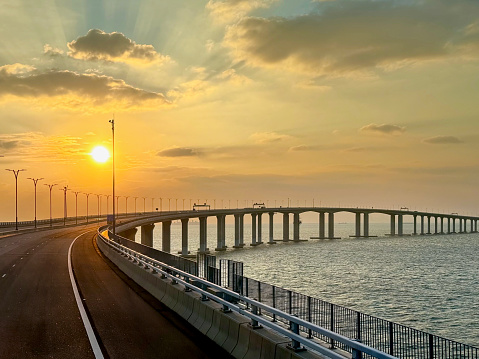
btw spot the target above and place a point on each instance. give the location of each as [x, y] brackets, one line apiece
[39, 316]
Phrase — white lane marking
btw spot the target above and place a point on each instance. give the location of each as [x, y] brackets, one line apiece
[14, 265]
[3, 275]
[86, 322]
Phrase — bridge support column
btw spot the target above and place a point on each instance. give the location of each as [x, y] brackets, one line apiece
[322, 225]
[393, 225]
[331, 225]
[358, 224]
[260, 228]
[449, 225]
[203, 235]
[184, 237]
[422, 225]
[442, 225]
[428, 224]
[296, 223]
[435, 225]
[166, 236]
[366, 225]
[242, 230]
[238, 231]
[460, 225]
[453, 225]
[271, 228]
[220, 233]
[253, 229]
[147, 235]
[400, 225]
[129, 234]
[285, 227]
[415, 225]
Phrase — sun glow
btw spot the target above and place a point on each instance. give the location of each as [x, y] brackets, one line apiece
[100, 154]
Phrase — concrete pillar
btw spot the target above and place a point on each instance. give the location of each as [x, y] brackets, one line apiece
[322, 225]
[147, 234]
[415, 224]
[358, 224]
[366, 225]
[442, 225]
[400, 225]
[428, 224]
[241, 228]
[422, 225]
[203, 235]
[271, 228]
[285, 227]
[460, 225]
[184, 237]
[129, 234]
[237, 231]
[220, 233]
[260, 228]
[331, 225]
[453, 225]
[393, 225]
[435, 225]
[166, 236]
[253, 229]
[449, 225]
[296, 227]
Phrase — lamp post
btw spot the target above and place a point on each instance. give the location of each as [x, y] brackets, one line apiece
[65, 214]
[76, 206]
[112, 121]
[87, 195]
[35, 181]
[169, 199]
[126, 205]
[176, 205]
[107, 199]
[161, 204]
[183, 208]
[98, 205]
[144, 205]
[15, 172]
[50, 186]
[152, 204]
[135, 204]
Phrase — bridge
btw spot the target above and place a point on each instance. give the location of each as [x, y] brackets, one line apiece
[423, 223]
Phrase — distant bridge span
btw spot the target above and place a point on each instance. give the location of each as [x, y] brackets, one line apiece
[429, 223]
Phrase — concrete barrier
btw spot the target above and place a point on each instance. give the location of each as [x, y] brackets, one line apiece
[229, 330]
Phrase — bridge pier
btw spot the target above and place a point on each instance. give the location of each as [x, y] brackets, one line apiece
[428, 224]
[203, 236]
[166, 236]
[366, 225]
[238, 231]
[449, 225]
[442, 225]
[184, 237]
[253, 229]
[415, 224]
[260, 228]
[400, 225]
[422, 225]
[271, 228]
[296, 223]
[147, 235]
[285, 227]
[220, 233]
[435, 224]
[358, 225]
[453, 225]
[393, 225]
[129, 234]
[331, 226]
[322, 225]
[460, 225]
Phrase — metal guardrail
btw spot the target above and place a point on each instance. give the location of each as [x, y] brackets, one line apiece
[251, 308]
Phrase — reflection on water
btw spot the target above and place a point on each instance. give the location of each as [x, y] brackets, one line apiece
[427, 282]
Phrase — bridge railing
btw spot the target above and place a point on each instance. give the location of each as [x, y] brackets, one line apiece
[384, 335]
[250, 307]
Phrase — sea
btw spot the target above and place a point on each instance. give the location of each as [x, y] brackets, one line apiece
[428, 282]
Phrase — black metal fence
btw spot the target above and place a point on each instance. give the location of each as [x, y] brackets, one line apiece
[384, 335]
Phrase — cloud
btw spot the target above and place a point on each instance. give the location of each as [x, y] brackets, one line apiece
[116, 47]
[232, 10]
[384, 129]
[345, 37]
[8, 145]
[72, 90]
[48, 50]
[301, 148]
[179, 152]
[442, 140]
[268, 137]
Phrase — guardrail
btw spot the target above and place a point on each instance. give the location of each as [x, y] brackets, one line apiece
[250, 308]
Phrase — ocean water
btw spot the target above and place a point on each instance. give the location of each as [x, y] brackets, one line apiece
[428, 282]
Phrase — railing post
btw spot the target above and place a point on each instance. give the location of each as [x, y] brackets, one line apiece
[204, 298]
[391, 338]
[358, 326]
[310, 319]
[295, 345]
[431, 346]
[274, 302]
[246, 284]
[254, 323]
[332, 324]
[259, 295]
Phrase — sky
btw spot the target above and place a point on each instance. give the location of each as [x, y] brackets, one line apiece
[352, 103]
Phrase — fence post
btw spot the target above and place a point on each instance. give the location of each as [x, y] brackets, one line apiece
[358, 326]
[274, 302]
[310, 319]
[246, 284]
[332, 323]
[254, 323]
[204, 298]
[295, 345]
[259, 296]
[391, 338]
[431, 346]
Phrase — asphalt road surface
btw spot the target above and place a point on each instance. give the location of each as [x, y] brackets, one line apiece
[40, 318]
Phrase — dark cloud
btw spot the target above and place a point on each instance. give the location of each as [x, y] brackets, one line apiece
[345, 36]
[179, 152]
[384, 128]
[442, 140]
[99, 90]
[8, 145]
[99, 45]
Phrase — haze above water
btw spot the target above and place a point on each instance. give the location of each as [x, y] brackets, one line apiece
[426, 282]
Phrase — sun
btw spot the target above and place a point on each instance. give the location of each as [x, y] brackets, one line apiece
[100, 154]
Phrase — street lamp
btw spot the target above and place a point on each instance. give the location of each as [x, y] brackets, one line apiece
[87, 195]
[112, 121]
[126, 205]
[15, 172]
[135, 204]
[35, 181]
[50, 186]
[98, 205]
[144, 205]
[64, 189]
[161, 204]
[169, 200]
[176, 206]
[76, 206]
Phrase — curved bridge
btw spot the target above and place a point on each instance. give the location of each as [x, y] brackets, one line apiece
[443, 224]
